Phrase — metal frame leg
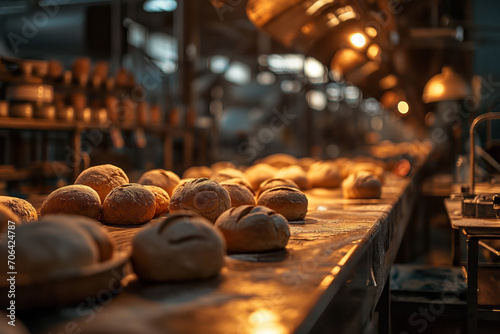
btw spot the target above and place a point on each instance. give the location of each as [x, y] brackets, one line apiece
[455, 246]
[384, 309]
[472, 275]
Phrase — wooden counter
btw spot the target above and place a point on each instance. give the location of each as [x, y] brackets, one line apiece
[332, 272]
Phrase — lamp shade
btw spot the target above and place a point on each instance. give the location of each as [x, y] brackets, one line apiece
[445, 86]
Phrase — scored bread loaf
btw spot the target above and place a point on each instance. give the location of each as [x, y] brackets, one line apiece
[239, 194]
[276, 182]
[129, 204]
[287, 201]
[362, 185]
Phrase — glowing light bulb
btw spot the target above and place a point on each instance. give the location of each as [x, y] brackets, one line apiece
[403, 107]
[358, 40]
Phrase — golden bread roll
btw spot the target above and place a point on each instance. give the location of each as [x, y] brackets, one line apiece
[239, 194]
[129, 204]
[222, 165]
[227, 174]
[162, 200]
[197, 172]
[258, 173]
[294, 173]
[249, 229]
[51, 248]
[368, 167]
[7, 215]
[76, 199]
[102, 179]
[324, 174]
[280, 160]
[21, 208]
[202, 196]
[275, 182]
[164, 179]
[182, 182]
[287, 201]
[182, 246]
[241, 182]
[362, 185]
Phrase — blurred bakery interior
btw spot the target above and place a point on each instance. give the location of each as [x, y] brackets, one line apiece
[406, 91]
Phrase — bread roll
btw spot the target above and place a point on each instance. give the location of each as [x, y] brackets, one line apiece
[276, 182]
[249, 229]
[129, 204]
[6, 214]
[280, 160]
[75, 199]
[241, 182]
[227, 174]
[21, 208]
[222, 165]
[324, 174]
[202, 196]
[197, 172]
[294, 173]
[289, 202]
[360, 185]
[164, 179]
[258, 173]
[162, 200]
[182, 246]
[50, 248]
[373, 168]
[239, 194]
[102, 179]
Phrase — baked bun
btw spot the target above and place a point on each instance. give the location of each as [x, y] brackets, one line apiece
[239, 194]
[241, 182]
[362, 184]
[202, 196]
[75, 199]
[7, 215]
[258, 173]
[102, 179]
[129, 204]
[324, 174]
[162, 200]
[51, 248]
[280, 160]
[289, 202]
[222, 165]
[164, 179]
[182, 246]
[294, 173]
[21, 208]
[227, 174]
[197, 172]
[371, 167]
[249, 229]
[276, 182]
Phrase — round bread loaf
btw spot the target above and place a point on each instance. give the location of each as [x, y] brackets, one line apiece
[280, 160]
[129, 204]
[324, 174]
[202, 196]
[287, 201]
[249, 229]
[222, 165]
[227, 174]
[21, 208]
[75, 199]
[294, 173]
[239, 194]
[164, 179]
[258, 173]
[182, 246]
[197, 172]
[7, 215]
[102, 179]
[362, 185]
[371, 167]
[50, 248]
[241, 182]
[275, 182]
[162, 200]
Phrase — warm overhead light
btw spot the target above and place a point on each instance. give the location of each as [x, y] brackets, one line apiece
[371, 31]
[160, 5]
[388, 82]
[403, 107]
[373, 51]
[358, 40]
[444, 86]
